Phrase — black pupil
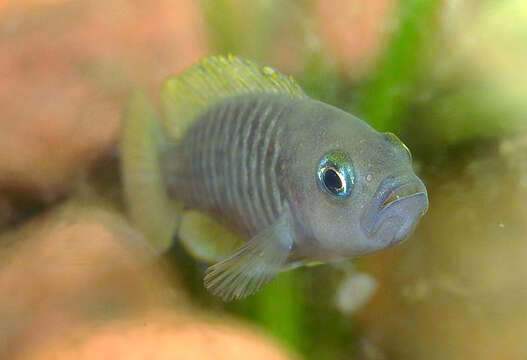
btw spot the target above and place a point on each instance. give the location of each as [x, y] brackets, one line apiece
[332, 181]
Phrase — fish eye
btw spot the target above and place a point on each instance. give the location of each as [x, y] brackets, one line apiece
[335, 174]
[394, 139]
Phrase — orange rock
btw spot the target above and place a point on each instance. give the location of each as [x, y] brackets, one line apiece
[75, 265]
[6, 5]
[80, 283]
[160, 337]
[66, 71]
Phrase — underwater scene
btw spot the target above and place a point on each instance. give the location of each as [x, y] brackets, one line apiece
[263, 179]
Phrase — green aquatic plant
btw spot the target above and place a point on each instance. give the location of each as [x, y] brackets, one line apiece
[392, 86]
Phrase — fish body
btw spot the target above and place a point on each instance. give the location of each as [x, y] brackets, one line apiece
[229, 160]
[298, 180]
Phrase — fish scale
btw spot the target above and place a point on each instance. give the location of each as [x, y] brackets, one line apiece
[234, 178]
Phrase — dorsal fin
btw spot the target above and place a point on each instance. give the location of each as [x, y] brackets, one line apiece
[186, 96]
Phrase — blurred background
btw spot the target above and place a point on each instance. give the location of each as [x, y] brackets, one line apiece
[448, 76]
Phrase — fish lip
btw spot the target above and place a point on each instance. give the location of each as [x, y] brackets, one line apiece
[386, 208]
[403, 190]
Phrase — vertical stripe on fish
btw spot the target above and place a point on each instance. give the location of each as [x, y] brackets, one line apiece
[231, 154]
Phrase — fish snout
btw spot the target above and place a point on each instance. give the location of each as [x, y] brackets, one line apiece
[395, 209]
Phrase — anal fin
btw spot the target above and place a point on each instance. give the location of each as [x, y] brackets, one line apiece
[205, 239]
[253, 265]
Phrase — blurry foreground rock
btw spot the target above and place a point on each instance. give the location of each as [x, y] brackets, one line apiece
[160, 337]
[80, 283]
[75, 264]
[66, 68]
[456, 290]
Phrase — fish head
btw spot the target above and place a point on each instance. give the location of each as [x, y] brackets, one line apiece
[356, 190]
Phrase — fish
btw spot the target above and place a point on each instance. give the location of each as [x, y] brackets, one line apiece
[251, 173]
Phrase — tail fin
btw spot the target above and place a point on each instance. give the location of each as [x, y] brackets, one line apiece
[142, 142]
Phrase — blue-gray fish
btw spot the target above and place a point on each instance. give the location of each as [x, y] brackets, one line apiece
[299, 181]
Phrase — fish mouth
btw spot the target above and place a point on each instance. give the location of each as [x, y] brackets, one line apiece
[395, 209]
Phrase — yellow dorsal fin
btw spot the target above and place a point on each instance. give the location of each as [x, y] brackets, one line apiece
[186, 96]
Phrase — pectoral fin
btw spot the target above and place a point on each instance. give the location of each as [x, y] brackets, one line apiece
[253, 265]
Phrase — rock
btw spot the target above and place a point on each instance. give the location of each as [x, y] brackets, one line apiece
[66, 71]
[163, 336]
[77, 264]
[79, 282]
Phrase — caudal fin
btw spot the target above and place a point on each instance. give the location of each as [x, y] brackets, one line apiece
[149, 206]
